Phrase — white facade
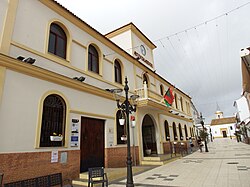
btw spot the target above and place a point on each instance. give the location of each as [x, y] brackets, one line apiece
[223, 130]
[242, 108]
[25, 31]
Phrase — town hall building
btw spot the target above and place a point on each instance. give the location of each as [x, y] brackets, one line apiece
[56, 111]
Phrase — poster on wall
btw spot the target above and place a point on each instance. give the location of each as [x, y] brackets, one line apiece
[74, 133]
[54, 156]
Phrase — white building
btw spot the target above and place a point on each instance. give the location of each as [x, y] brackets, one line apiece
[242, 109]
[245, 67]
[222, 127]
[55, 112]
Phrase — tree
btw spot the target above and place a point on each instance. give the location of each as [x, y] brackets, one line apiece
[203, 134]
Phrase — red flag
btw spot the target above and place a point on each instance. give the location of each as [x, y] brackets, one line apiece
[169, 97]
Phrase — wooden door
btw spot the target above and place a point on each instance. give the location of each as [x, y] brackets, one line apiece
[92, 143]
[224, 134]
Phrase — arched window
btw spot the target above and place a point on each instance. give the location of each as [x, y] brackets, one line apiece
[93, 59]
[57, 41]
[145, 79]
[118, 72]
[162, 89]
[166, 130]
[180, 132]
[175, 100]
[175, 131]
[181, 104]
[120, 129]
[53, 121]
[186, 132]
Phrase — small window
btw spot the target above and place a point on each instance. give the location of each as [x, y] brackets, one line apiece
[162, 89]
[53, 121]
[120, 129]
[175, 131]
[93, 59]
[167, 130]
[57, 41]
[118, 72]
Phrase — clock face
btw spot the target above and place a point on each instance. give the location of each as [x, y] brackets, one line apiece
[143, 50]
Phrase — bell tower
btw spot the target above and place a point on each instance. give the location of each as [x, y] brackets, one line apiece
[218, 113]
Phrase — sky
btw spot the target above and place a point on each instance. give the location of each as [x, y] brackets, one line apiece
[198, 42]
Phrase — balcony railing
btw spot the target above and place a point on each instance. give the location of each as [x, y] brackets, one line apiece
[145, 93]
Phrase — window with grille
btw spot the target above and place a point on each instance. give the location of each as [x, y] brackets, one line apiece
[57, 41]
[118, 72]
[53, 121]
[93, 59]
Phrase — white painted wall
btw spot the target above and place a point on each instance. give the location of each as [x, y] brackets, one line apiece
[20, 105]
[216, 132]
[242, 108]
[124, 41]
[3, 11]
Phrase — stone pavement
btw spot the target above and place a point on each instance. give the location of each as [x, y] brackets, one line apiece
[226, 164]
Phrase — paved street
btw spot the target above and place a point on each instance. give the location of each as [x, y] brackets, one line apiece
[226, 164]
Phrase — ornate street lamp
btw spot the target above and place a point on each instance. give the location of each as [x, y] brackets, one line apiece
[205, 139]
[127, 107]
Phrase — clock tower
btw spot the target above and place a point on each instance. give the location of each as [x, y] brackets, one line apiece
[134, 42]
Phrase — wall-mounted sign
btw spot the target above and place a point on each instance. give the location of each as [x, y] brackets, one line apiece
[74, 133]
[143, 59]
[54, 156]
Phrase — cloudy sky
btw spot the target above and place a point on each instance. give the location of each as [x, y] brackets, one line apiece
[198, 42]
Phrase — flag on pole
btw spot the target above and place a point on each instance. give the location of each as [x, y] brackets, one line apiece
[169, 97]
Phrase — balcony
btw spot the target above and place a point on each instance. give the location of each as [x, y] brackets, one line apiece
[149, 98]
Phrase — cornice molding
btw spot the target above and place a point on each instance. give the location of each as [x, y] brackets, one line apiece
[37, 72]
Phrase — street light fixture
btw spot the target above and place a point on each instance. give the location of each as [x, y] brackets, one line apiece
[127, 107]
[205, 139]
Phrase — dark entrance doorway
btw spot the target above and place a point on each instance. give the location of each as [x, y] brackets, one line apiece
[148, 135]
[92, 143]
[224, 133]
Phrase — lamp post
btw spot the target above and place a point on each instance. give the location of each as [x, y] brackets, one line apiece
[127, 108]
[205, 139]
[211, 134]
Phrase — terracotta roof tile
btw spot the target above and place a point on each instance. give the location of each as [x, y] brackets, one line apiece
[223, 121]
